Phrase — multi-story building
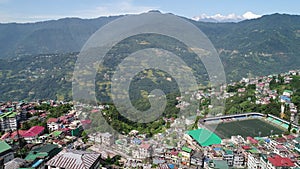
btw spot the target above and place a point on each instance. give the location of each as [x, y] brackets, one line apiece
[52, 124]
[197, 159]
[102, 138]
[6, 153]
[185, 155]
[238, 159]
[275, 161]
[8, 121]
[234, 158]
[107, 139]
[145, 150]
[228, 156]
[253, 159]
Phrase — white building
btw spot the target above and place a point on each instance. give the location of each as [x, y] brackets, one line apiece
[239, 160]
[8, 121]
[102, 138]
[52, 126]
[144, 151]
[253, 159]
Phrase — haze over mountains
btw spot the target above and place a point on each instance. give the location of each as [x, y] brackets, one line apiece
[269, 44]
[269, 34]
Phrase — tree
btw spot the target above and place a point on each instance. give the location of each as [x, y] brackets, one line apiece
[84, 137]
[25, 125]
[290, 127]
[168, 125]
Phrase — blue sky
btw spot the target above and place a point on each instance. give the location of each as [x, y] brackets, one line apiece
[39, 10]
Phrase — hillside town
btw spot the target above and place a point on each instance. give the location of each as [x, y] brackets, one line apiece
[51, 134]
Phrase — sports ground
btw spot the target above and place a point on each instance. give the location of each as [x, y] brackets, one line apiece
[248, 127]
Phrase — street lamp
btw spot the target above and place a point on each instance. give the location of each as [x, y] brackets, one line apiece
[271, 132]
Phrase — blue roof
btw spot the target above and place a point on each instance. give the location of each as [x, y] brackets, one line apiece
[285, 98]
[171, 166]
[137, 141]
[36, 164]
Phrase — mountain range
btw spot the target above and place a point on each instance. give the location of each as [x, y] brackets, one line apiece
[266, 45]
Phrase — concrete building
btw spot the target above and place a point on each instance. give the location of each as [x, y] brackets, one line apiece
[253, 159]
[102, 138]
[8, 121]
[275, 161]
[52, 124]
[6, 153]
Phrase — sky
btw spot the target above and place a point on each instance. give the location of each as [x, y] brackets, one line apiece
[40, 10]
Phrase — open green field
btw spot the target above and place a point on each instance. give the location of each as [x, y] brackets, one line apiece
[245, 128]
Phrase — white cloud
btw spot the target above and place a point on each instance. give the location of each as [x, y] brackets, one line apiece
[226, 18]
[250, 15]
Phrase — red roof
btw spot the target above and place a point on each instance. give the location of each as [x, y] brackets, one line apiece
[279, 146]
[64, 129]
[85, 122]
[94, 111]
[246, 147]
[5, 136]
[34, 131]
[281, 140]
[145, 146]
[290, 137]
[63, 118]
[32, 111]
[252, 140]
[15, 133]
[279, 161]
[174, 152]
[52, 120]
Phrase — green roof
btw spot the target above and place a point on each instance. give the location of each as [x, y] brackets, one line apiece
[33, 155]
[44, 151]
[297, 139]
[56, 133]
[228, 151]
[288, 91]
[4, 146]
[204, 137]
[220, 164]
[253, 151]
[186, 149]
[8, 114]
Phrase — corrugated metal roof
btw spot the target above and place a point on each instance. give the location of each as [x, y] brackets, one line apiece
[4, 146]
[204, 137]
[74, 159]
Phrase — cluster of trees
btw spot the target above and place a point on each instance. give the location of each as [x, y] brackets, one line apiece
[54, 112]
[110, 119]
